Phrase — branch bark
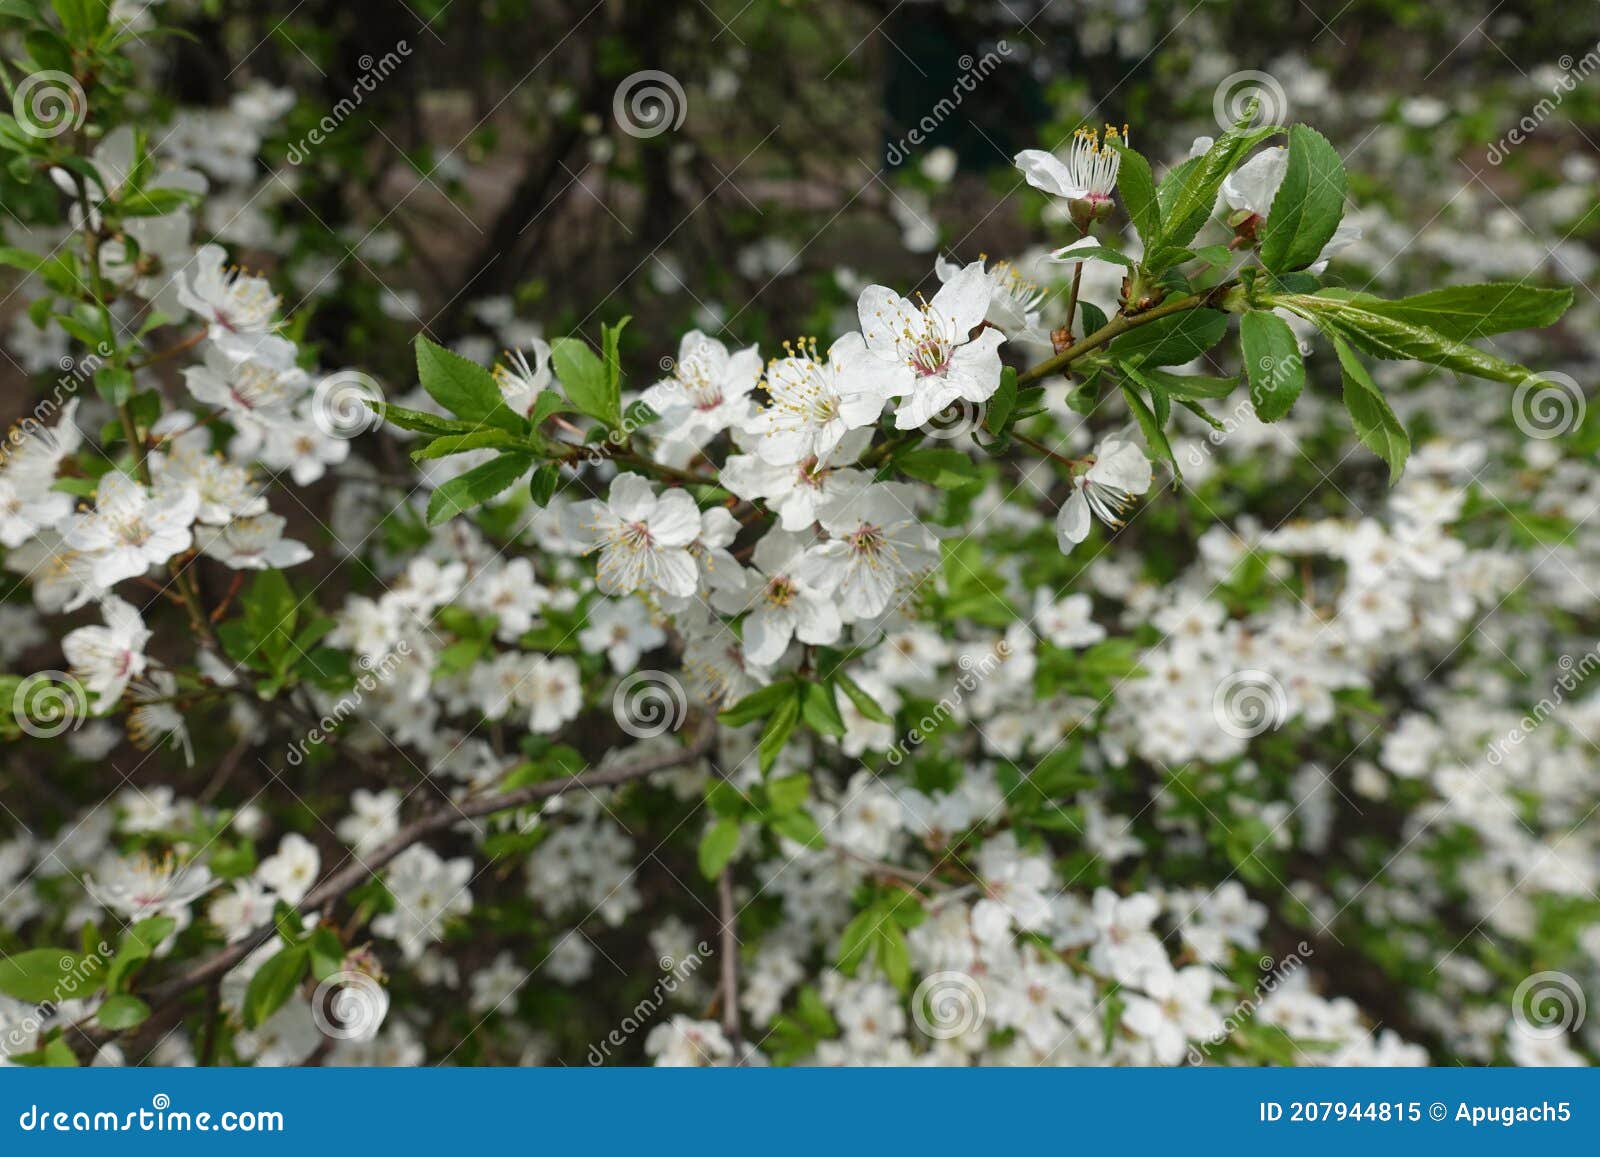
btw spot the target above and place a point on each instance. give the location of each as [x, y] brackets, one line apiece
[356, 871]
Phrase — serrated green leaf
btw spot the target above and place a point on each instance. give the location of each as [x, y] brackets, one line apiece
[587, 380]
[1272, 362]
[477, 486]
[1375, 423]
[1155, 437]
[490, 438]
[464, 388]
[1173, 340]
[1464, 312]
[1308, 206]
[1138, 188]
[1397, 340]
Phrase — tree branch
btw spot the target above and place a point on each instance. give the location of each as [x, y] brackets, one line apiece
[356, 871]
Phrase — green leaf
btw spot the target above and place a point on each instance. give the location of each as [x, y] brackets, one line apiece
[611, 349]
[1096, 253]
[758, 704]
[1138, 188]
[1194, 195]
[464, 387]
[264, 637]
[114, 384]
[1187, 386]
[717, 846]
[1463, 312]
[542, 486]
[492, 438]
[1173, 340]
[1309, 204]
[856, 938]
[798, 826]
[894, 957]
[864, 703]
[136, 946]
[477, 486]
[47, 975]
[1155, 437]
[1002, 402]
[1172, 183]
[820, 711]
[588, 380]
[1375, 423]
[419, 420]
[946, 469]
[273, 984]
[777, 732]
[1272, 362]
[789, 792]
[122, 1012]
[1397, 340]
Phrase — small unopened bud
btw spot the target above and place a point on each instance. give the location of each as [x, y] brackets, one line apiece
[1085, 211]
[1245, 226]
[1061, 339]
